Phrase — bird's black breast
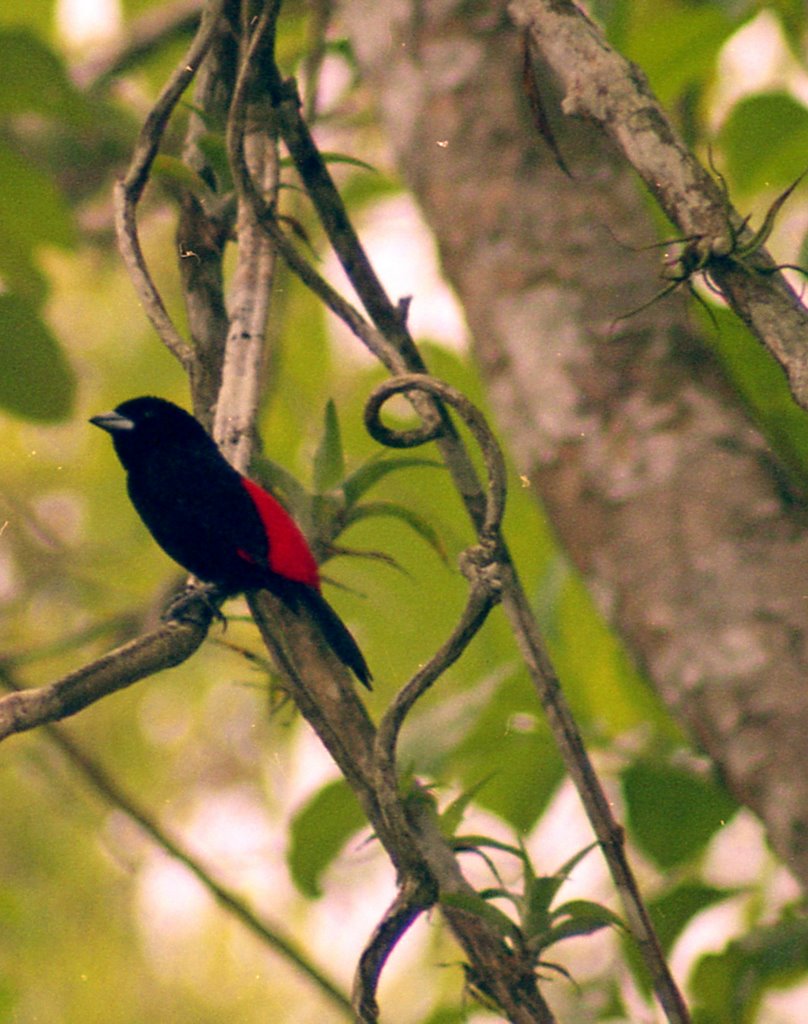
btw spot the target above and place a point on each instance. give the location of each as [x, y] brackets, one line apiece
[198, 511]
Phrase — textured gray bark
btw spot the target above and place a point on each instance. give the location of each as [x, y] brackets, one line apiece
[659, 486]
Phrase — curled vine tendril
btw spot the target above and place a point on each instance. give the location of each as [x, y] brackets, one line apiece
[431, 430]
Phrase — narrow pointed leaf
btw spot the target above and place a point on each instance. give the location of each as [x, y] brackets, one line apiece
[412, 519]
[549, 965]
[573, 928]
[336, 158]
[578, 917]
[329, 461]
[451, 817]
[474, 904]
[567, 867]
[485, 841]
[284, 486]
[362, 479]
[589, 909]
[539, 897]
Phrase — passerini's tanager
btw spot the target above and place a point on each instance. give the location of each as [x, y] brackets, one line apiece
[216, 523]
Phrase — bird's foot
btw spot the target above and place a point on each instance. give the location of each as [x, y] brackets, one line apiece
[196, 602]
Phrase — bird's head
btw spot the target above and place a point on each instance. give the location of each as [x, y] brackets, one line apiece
[141, 426]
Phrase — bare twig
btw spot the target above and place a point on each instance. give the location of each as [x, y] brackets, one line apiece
[129, 189]
[402, 913]
[252, 149]
[206, 221]
[168, 645]
[493, 507]
[480, 562]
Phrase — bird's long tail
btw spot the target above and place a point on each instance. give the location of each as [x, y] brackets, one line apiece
[335, 633]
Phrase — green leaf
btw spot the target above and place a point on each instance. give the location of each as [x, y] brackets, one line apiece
[684, 54]
[36, 15]
[529, 766]
[541, 893]
[581, 917]
[765, 140]
[569, 866]
[329, 460]
[675, 909]
[388, 508]
[362, 479]
[673, 813]
[572, 928]
[319, 831]
[174, 172]
[451, 817]
[475, 841]
[475, 904]
[728, 987]
[36, 380]
[32, 213]
[335, 158]
[33, 79]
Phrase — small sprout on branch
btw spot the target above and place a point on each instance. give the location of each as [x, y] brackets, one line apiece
[736, 250]
[538, 923]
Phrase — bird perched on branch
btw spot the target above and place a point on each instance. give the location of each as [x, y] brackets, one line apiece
[218, 524]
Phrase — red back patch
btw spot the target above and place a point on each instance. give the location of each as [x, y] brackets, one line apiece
[289, 553]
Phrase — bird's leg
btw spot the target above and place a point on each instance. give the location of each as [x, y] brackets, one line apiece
[195, 601]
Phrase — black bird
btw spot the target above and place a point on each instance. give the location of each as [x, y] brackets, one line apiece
[216, 523]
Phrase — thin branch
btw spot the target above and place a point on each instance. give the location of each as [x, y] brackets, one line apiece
[114, 794]
[481, 600]
[402, 913]
[264, 213]
[129, 189]
[494, 499]
[334, 217]
[596, 804]
[170, 644]
[480, 563]
[252, 149]
[205, 221]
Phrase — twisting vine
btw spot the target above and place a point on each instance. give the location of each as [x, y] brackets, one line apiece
[480, 565]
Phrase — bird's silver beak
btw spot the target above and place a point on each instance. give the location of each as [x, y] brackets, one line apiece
[112, 422]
